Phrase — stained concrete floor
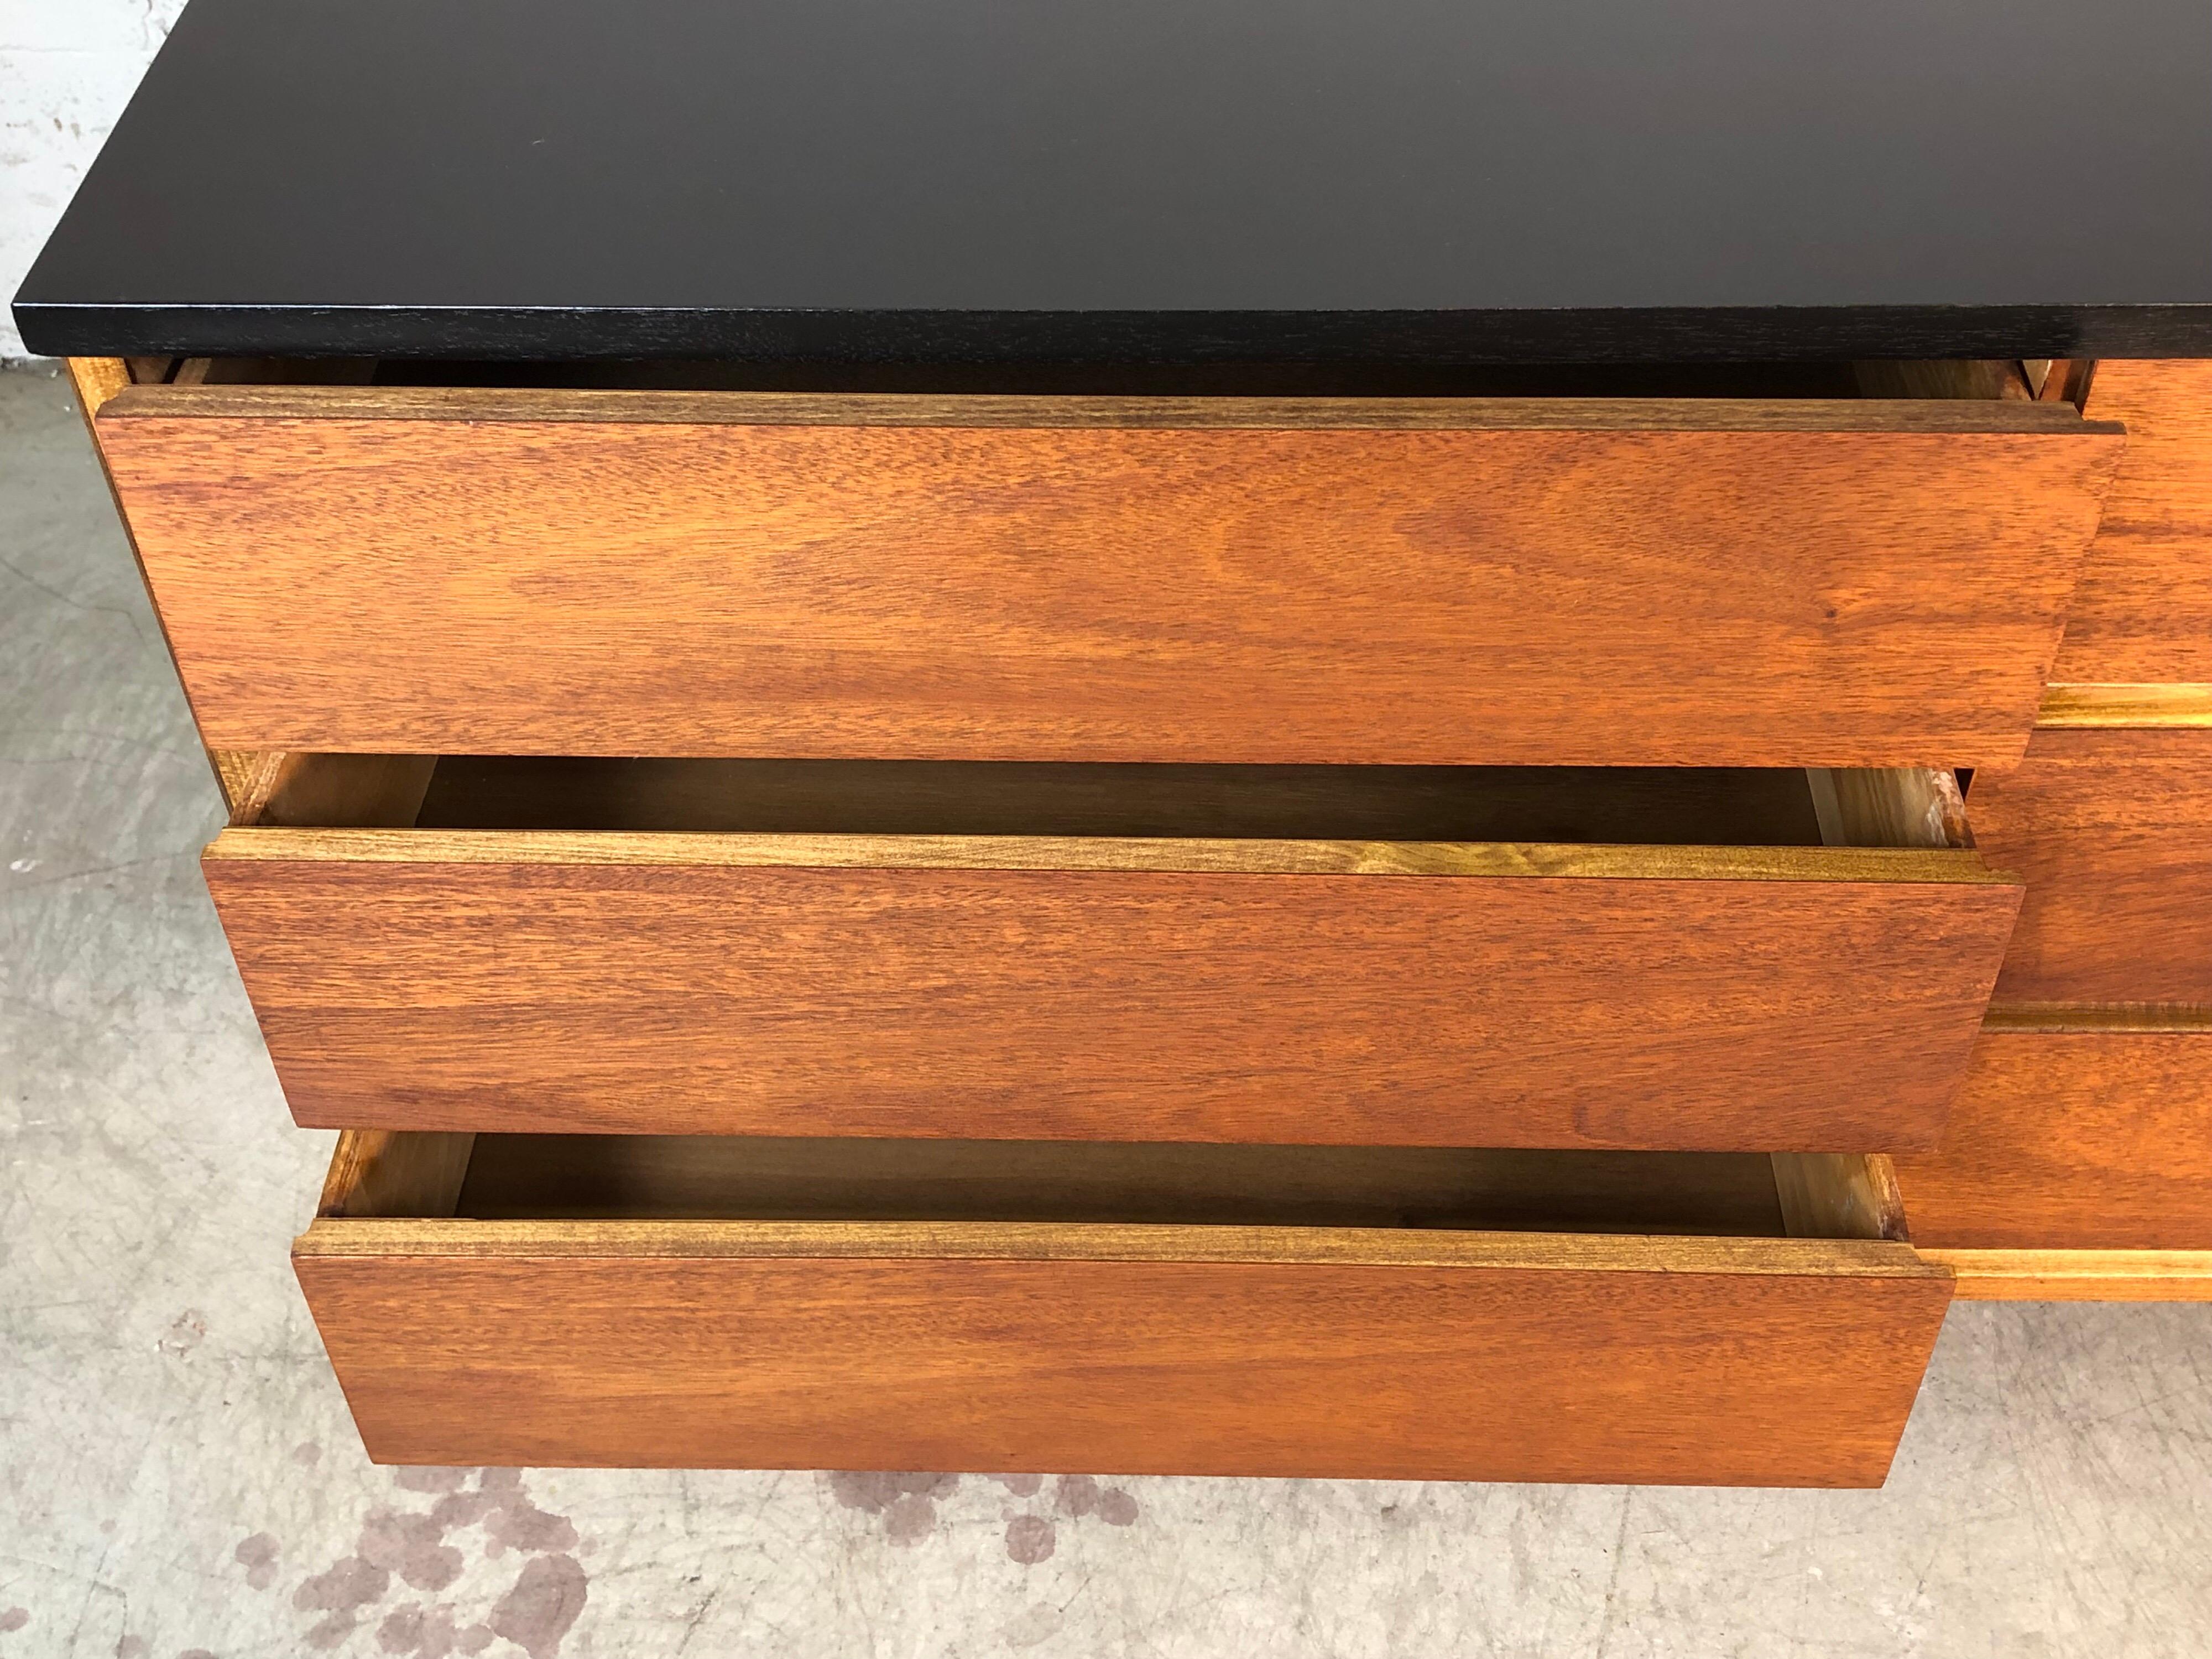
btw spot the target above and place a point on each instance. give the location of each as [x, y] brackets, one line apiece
[179, 1477]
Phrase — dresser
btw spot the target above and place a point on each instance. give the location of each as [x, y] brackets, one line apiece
[1233, 739]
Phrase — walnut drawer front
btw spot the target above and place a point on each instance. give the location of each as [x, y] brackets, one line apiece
[1735, 994]
[1718, 582]
[2142, 613]
[2077, 1163]
[2112, 830]
[981, 1306]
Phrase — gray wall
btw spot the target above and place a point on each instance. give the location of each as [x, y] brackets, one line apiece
[67, 68]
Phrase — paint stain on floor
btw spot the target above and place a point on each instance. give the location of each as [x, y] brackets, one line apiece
[908, 1503]
[1033, 1537]
[258, 1555]
[411, 1555]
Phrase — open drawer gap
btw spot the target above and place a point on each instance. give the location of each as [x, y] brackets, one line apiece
[1901, 809]
[734, 1178]
[1806, 380]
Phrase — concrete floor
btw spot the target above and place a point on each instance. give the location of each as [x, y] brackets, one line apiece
[178, 1476]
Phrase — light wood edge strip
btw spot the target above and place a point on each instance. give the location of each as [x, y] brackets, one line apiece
[249, 778]
[1839, 1196]
[493, 404]
[1889, 806]
[287, 789]
[2092, 706]
[2078, 1275]
[1095, 1242]
[98, 381]
[2148, 1018]
[1256, 857]
[385, 1170]
[2060, 380]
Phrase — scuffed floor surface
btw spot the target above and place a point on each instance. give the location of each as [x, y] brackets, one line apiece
[178, 1478]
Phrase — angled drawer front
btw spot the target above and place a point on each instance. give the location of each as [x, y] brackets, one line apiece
[2077, 1164]
[2112, 830]
[1361, 1350]
[2087, 1139]
[1542, 581]
[1434, 992]
[2143, 611]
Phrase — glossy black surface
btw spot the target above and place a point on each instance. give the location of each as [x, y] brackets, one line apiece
[1177, 181]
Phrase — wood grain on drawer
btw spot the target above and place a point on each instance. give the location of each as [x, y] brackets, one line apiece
[2112, 830]
[1357, 1353]
[1610, 1364]
[2090, 1138]
[1501, 580]
[2144, 611]
[1751, 997]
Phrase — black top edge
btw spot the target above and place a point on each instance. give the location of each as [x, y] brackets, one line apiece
[1678, 334]
[1154, 181]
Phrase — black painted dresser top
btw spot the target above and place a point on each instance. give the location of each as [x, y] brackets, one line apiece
[1151, 181]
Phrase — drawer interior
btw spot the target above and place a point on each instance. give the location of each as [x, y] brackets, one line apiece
[1832, 380]
[563, 1177]
[1633, 805]
[1965, 379]
[1784, 807]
